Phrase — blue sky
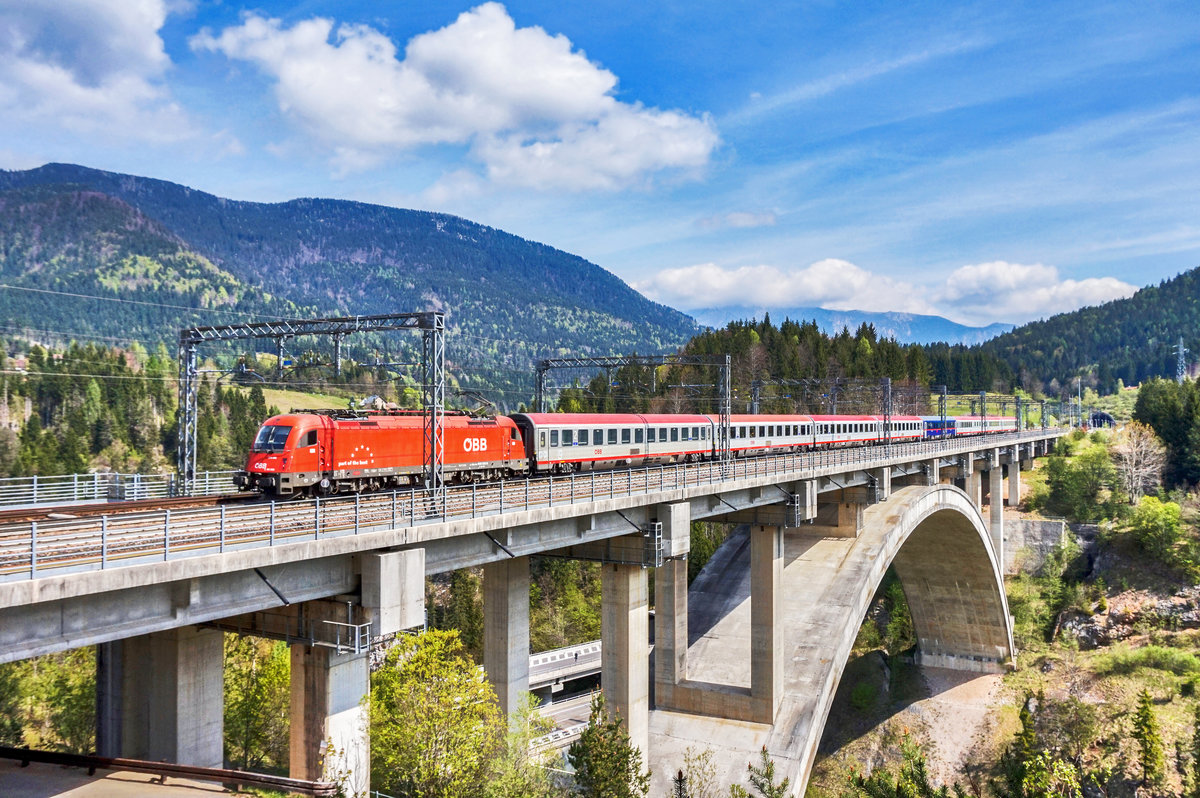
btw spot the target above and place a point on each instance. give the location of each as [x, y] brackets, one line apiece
[992, 161]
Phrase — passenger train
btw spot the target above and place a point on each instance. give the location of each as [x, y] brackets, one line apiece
[324, 453]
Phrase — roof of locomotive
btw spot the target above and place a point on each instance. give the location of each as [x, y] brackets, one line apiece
[395, 420]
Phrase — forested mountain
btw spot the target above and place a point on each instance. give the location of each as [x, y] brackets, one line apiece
[1128, 339]
[797, 363]
[906, 328]
[508, 301]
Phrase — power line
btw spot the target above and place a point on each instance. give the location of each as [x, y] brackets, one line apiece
[126, 301]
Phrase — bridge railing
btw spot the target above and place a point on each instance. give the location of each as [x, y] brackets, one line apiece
[100, 487]
[33, 549]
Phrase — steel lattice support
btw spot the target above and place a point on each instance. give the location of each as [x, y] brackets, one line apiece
[433, 370]
[189, 390]
[726, 409]
[887, 410]
[433, 380]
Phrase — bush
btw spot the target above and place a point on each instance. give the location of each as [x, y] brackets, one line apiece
[1156, 657]
[863, 696]
[1156, 526]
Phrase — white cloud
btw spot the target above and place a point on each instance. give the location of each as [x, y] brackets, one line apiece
[830, 283]
[88, 65]
[976, 294]
[1015, 292]
[530, 108]
[739, 219]
[852, 76]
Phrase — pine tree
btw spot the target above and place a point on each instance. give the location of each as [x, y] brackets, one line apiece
[606, 764]
[679, 786]
[762, 777]
[1149, 740]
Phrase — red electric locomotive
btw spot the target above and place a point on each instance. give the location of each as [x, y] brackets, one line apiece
[298, 454]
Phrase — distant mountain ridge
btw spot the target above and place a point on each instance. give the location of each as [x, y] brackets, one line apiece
[508, 301]
[906, 328]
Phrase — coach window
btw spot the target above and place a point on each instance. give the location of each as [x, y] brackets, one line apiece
[637, 435]
[695, 433]
[704, 433]
[597, 437]
[674, 434]
[554, 437]
[625, 435]
[568, 437]
[650, 435]
[612, 436]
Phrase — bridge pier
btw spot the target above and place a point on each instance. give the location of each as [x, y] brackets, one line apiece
[996, 504]
[625, 648]
[330, 725]
[766, 621]
[837, 519]
[671, 607]
[160, 696]
[932, 470]
[1014, 478]
[506, 629]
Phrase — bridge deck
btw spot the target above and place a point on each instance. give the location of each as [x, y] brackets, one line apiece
[32, 550]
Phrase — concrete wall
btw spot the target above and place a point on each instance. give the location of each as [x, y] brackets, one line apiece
[1027, 543]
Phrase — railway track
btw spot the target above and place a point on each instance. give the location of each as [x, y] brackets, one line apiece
[60, 513]
[159, 530]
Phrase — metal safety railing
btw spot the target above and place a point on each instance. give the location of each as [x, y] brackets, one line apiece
[32, 549]
[241, 778]
[100, 487]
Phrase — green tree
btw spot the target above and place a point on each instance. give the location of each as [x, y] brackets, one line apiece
[10, 702]
[1047, 776]
[257, 702]
[1014, 762]
[435, 724]
[762, 777]
[1157, 526]
[1076, 486]
[1149, 740]
[520, 771]
[71, 698]
[606, 763]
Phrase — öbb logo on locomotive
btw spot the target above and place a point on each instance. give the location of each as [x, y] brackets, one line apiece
[323, 452]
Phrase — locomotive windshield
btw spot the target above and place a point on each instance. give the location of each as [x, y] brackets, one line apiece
[271, 438]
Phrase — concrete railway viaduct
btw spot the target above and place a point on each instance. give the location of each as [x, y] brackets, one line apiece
[750, 656]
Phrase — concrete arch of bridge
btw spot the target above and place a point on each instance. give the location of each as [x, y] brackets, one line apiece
[940, 546]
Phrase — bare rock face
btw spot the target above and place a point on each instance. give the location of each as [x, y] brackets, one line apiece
[1132, 610]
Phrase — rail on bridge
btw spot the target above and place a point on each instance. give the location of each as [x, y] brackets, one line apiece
[941, 548]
